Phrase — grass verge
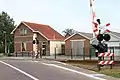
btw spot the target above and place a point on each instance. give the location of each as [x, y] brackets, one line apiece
[92, 65]
[1, 54]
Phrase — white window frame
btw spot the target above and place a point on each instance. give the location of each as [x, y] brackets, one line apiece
[23, 31]
[25, 46]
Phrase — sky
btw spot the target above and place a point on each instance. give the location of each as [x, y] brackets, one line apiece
[63, 14]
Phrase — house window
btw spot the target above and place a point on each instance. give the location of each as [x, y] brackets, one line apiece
[23, 46]
[23, 31]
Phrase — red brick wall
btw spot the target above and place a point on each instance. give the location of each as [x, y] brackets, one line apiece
[18, 38]
[28, 38]
[76, 37]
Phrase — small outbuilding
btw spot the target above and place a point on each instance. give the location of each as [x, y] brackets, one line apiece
[78, 44]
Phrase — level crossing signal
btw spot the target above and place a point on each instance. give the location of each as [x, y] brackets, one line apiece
[101, 47]
[101, 37]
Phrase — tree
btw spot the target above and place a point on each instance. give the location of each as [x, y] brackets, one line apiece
[68, 32]
[7, 24]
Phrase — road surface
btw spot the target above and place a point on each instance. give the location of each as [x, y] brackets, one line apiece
[23, 69]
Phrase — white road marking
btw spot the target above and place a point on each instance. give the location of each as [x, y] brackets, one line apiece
[97, 74]
[60, 62]
[32, 77]
[36, 61]
[88, 75]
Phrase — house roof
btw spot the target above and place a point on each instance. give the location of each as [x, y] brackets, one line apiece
[86, 35]
[45, 30]
[116, 34]
[89, 35]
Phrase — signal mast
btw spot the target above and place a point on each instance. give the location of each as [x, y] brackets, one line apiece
[98, 35]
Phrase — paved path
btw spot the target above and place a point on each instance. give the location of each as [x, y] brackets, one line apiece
[27, 69]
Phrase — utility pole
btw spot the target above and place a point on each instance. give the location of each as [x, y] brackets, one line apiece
[5, 42]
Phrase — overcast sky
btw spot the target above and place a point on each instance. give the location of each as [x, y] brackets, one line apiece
[63, 14]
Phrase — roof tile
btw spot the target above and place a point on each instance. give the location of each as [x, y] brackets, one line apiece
[46, 30]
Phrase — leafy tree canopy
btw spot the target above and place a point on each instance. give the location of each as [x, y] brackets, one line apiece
[68, 32]
[7, 24]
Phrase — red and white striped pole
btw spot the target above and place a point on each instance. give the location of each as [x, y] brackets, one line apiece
[94, 22]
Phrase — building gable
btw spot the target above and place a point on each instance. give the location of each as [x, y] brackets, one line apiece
[77, 36]
[22, 30]
[44, 30]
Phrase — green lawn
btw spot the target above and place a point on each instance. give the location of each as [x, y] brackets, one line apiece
[115, 72]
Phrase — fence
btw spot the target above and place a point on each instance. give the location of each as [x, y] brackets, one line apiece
[70, 54]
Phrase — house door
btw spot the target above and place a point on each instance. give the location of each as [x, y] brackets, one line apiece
[77, 47]
[63, 49]
[43, 48]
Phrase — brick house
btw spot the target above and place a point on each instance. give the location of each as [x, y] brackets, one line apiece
[48, 38]
[79, 43]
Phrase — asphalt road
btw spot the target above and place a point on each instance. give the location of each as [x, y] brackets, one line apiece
[13, 69]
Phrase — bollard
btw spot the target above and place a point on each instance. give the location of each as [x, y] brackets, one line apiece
[55, 53]
[40, 53]
[28, 54]
[71, 54]
[16, 54]
[22, 53]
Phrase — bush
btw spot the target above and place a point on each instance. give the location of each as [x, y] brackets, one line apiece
[1, 49]
[10, 54]
[11, 48]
